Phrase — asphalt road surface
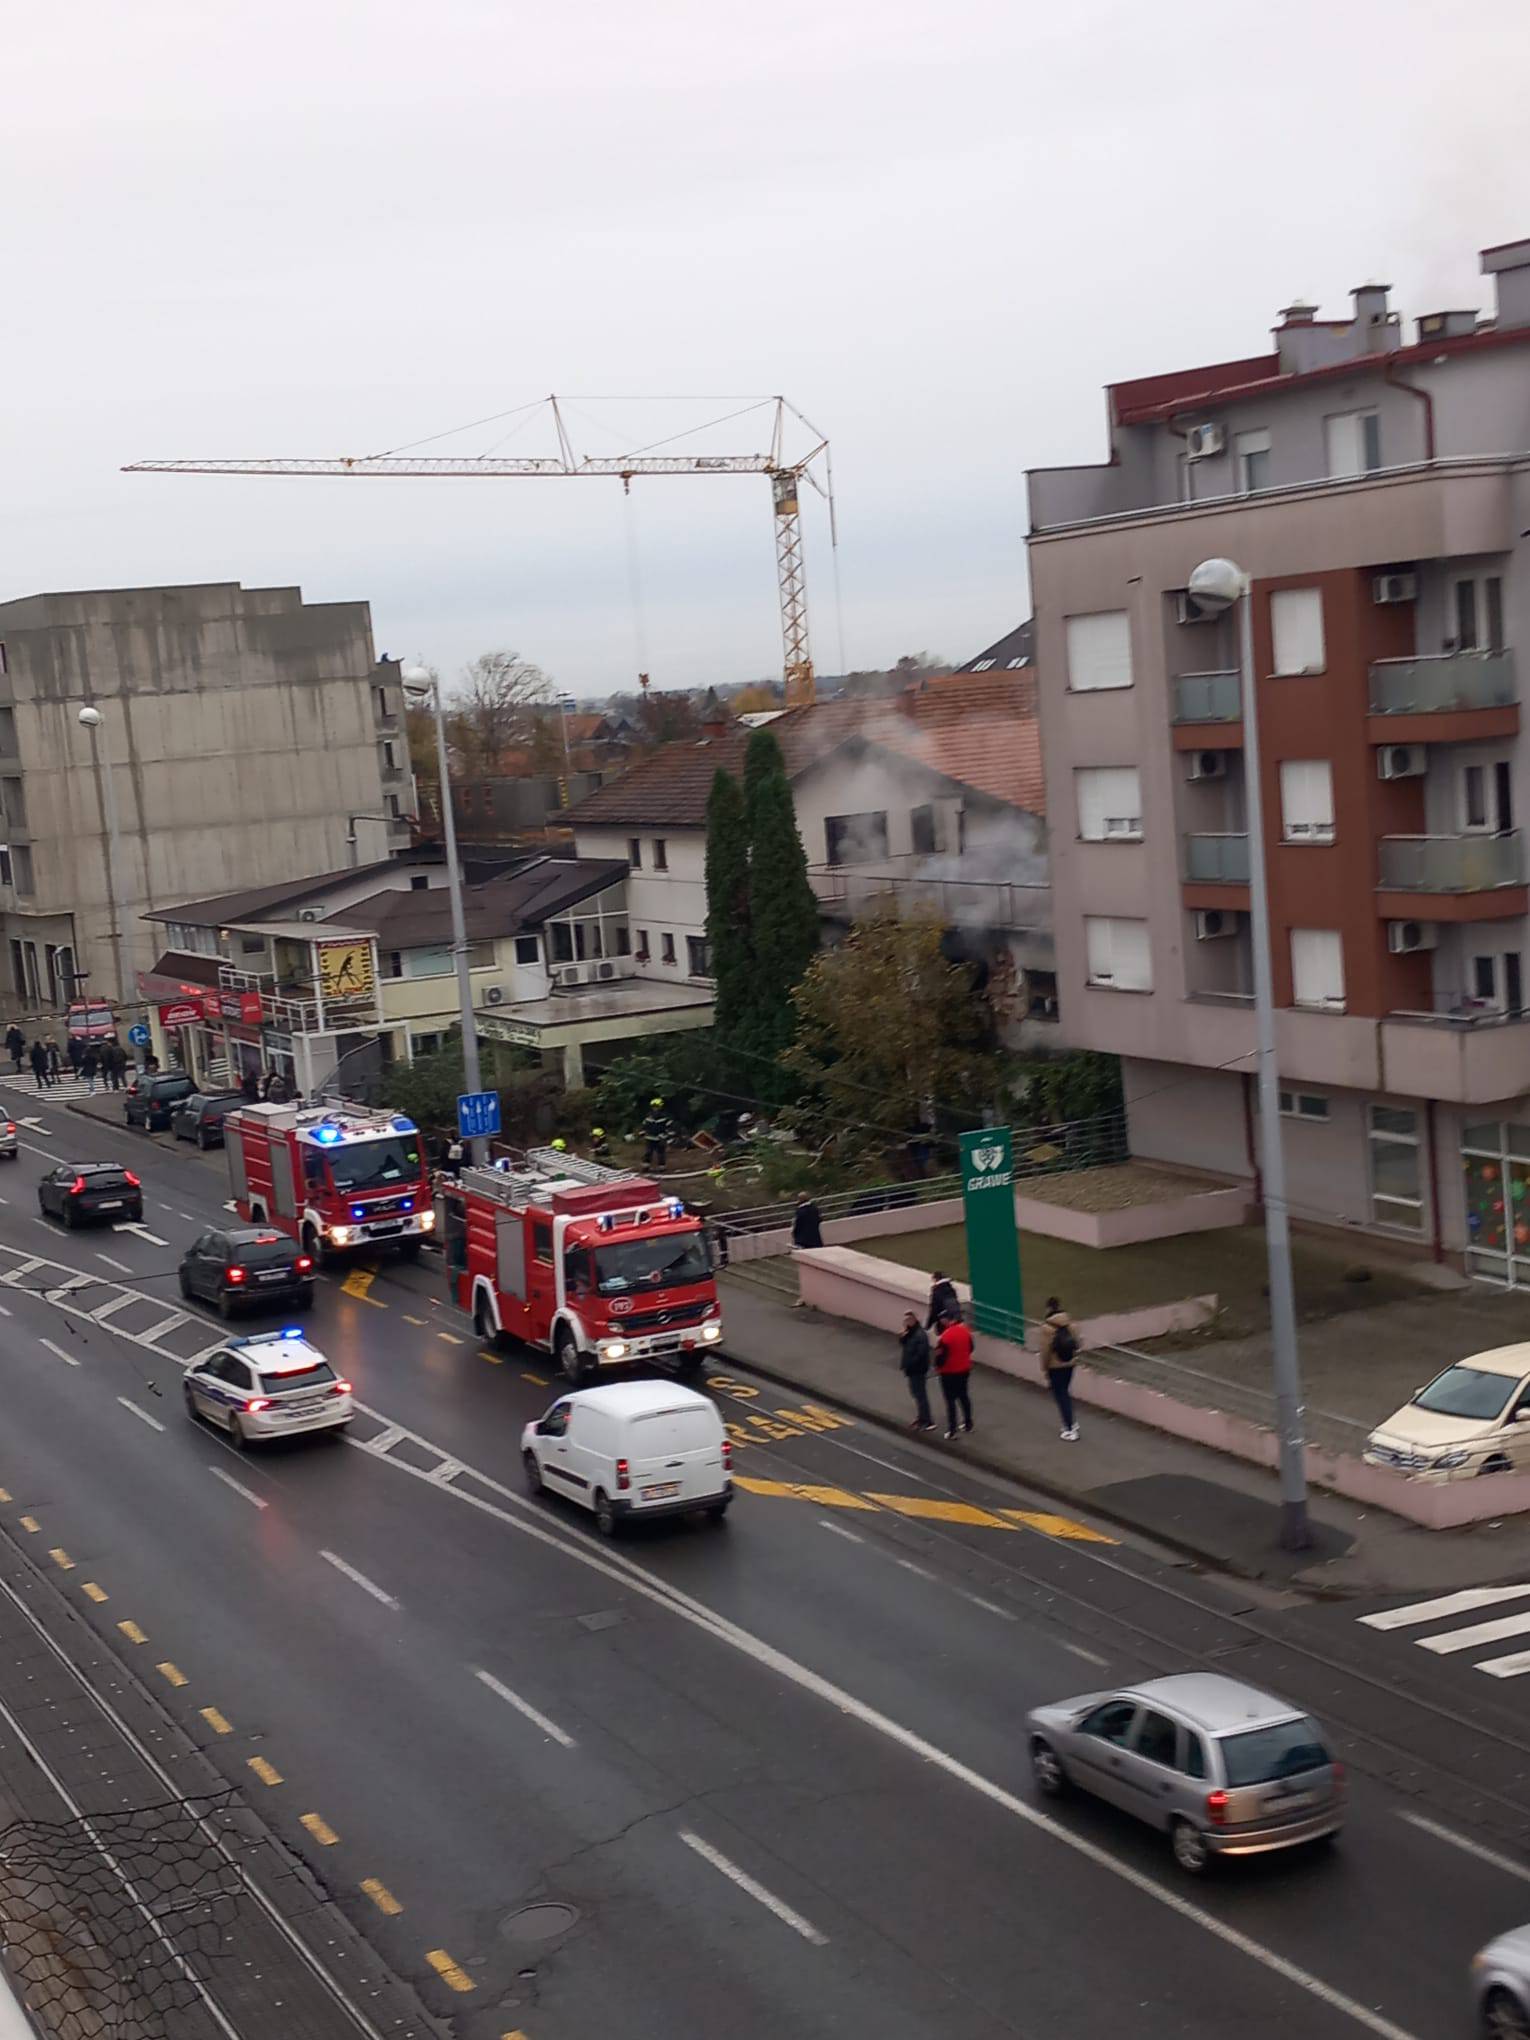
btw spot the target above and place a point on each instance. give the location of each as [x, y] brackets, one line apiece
[763, 1779]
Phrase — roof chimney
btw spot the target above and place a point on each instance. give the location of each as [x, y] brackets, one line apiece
[1298, 313]
[1445, 326]
[1510, 265]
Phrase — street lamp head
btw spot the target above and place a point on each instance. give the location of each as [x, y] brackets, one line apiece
[417, 680]
[1218, 584]
[90, 718]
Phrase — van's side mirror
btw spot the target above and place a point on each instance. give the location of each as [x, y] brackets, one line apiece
[1522, 1416]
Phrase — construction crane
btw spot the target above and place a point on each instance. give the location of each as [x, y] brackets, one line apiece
[785, 475]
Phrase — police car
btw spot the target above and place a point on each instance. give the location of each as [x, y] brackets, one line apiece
[270, 1385]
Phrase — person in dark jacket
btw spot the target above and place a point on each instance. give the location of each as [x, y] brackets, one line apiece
[55, 1060]
[807, 1222]
[15, 1045]
[39, 1061]
[942, 1299]
[75, 1050]
[658, 1132]
[90, 1068]
[249, 1088]
[1059, 1352]
[914, 1359]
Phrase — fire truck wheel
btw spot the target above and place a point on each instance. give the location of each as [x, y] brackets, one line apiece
[533, 1474]
[409, 1250]
[606, 1518]
[483, 1323]
[572, 1364]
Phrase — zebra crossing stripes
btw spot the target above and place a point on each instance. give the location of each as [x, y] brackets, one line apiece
[1475, 1635]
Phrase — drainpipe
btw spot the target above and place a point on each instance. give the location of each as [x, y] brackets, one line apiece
[1248, 1140]
[1437, 1238]
[1389, 374]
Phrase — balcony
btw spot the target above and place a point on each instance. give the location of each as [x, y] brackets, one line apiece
[1450, 698]
[1216, 860]
[846, 892]
[1452, 864]
[1457, 1049]
[1208, 698]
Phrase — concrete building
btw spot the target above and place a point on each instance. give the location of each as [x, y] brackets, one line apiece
[1376, 486]
[246, 736]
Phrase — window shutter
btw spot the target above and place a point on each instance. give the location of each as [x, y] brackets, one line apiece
[1099, 651]
[1296, 625]
[1119, 954]
[1306, 800]
[1317, 968]
[1109, 802]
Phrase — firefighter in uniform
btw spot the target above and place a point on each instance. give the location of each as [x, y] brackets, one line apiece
[658, 1132]
[600, 1146]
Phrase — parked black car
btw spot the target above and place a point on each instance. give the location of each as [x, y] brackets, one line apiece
[75, 1191]
[246, 1265]
[200, 1116]
[152, 1099]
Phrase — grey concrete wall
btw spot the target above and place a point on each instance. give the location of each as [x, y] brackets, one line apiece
[1178, 1114]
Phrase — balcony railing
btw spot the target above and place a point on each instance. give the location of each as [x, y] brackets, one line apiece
[1452, 680]
[960, 902]
[1452, 864]
[1459, 1010]
[1208, 697]
[1216, 860]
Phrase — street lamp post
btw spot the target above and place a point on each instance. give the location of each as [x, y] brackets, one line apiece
[90, 719]
[424, 685]
[1219, 585]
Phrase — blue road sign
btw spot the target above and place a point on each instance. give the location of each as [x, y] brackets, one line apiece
[477, 1114]
[139, 1035]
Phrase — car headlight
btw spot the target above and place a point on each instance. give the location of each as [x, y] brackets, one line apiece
[614, 1349]
[427, 1221]
[1451, 1459]
[711, 1331]
[340, 1234]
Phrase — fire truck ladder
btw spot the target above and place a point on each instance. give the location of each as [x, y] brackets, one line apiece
[540, 1171]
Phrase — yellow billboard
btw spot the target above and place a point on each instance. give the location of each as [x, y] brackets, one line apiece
[346, 971]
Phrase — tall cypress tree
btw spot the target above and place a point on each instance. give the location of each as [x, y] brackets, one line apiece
[728, 930]
[783, 914]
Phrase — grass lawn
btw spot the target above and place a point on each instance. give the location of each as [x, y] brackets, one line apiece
[1229, 1264]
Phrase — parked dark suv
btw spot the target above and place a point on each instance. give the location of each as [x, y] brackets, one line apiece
[246, 1266]
[152, 1099]
[75, 1191]
[200, 1116]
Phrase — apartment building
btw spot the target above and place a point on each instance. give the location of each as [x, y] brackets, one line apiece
[1375, 484]
[246, 736]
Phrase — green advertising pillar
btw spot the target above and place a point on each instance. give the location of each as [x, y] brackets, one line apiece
[993, 1241]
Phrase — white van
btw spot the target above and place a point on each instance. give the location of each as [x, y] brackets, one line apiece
[631, 1449]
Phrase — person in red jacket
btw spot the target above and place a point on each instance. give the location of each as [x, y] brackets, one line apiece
[953, 1364]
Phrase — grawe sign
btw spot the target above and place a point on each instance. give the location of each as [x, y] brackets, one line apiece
[993, 1243]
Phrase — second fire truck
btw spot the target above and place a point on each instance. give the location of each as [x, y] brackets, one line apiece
[334, 1176]
[593, 1265]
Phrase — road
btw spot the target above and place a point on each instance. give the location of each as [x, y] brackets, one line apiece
[771, 1777]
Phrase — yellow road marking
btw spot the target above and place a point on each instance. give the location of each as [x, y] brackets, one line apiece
[381, 1896]
[932, 1509]
[320, 1829]
[132, 1632]
[540, 1379]
[454, 1977]
[1059, 1526]
[171, 1673]
[494, 1359]
[815, 1418]
[92, 1592]
[217, 1722]
[801, 1491]
[358, 1282]
[29, 1523]
[61, 1558]
[408, 1320]
[452, 1340]
[774, 1430]
[266, 1773]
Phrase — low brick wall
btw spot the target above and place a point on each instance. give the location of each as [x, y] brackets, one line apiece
[1203, 1211]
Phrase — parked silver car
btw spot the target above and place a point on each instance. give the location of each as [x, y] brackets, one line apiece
[1222, 1768]
[1501, 1986]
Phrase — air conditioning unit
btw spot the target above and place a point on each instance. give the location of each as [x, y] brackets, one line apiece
[1402, 761]
[1207, 765]
[1202, 441]
[1404, 937]
[1394, 588]
[566, 977]
[1212, 923]
[1122, 825]
[494, 996]
[605, 970]
[1188, 610]
[310, 914]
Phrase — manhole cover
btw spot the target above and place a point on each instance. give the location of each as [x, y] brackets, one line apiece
[539, 1922]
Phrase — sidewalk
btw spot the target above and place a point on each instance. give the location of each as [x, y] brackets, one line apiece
[1217, 1510]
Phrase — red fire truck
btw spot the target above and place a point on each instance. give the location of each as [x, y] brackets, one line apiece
[332, 1176]
[593, 1265]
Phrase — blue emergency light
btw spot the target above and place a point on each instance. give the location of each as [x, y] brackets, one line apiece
[404, 1126]
[326, 1135]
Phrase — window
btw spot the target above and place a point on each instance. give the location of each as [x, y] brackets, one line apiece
[428, 1043]
[561, 938]
[1099, 651]
[18, 973]
[393, 963]
[666, 949]
[5, 868]
[419, 882]
[697, 959]
[1296, 628]
[1112, 1723]
[1317, 969]
[1306, 800]
[390, 757]
[981, 665]
[1157, 1738]
[855, 839]
[1396, 1198]
[1118, 953]
[251, 945]
[1499, 981]
[921, 825]
[1478, 609]
[623, 939]
[1253, 453]
[541, 1240]
[7, 732]
[1353, 439]
[21, 868]
[660, 854]
[1487, 797]
[1109, 803]
[428, 963]
[15, 803]
[635, 852]
[380, 703]
[642, 945]
[526, 949]
[1303, 1105]
[1194, 1764]
[390, 802]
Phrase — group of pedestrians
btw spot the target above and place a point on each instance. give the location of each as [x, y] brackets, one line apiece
[949, 1354]
[90, 1060]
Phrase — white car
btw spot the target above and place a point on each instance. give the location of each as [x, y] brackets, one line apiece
[10, 1145]
[271, 1385]
[631, 1449]
[1473, 1418]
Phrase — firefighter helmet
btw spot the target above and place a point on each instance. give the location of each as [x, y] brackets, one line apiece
[560, 1145]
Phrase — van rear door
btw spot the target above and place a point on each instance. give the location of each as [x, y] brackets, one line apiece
[676, 1454]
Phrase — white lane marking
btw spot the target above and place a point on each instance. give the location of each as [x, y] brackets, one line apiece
[142, 1232]
[360, 1579]
[745, 1882]
[142, 1415]
[5, 1310]
[169, 1324]
[518, 1518]
[1513, 1667]
[1078, 1650]
[908, 1565]
[1480, 1632]
[190, 1220]
[1470, 1848]
[239, 1487]
[26, 1268]
[524, 1707]
[852, 1536]
[59, 1353]
[988, 1607]
[119, 1301]
[1447, 1604]
[121, 1267]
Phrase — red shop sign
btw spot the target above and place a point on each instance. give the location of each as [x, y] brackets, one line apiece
[243, 1007]
[181, 1013]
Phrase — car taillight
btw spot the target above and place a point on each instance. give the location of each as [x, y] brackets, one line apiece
[10, 1126]
[340, 1388]
[623, 1474]
[131, 1178]
[304, 1264]
[256, 1404]
[233, 1274]
[1216, 1808]
[728, 1452]
[1338, 1775]
[77, 1187]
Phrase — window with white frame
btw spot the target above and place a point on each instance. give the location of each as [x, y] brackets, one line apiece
[1253, 456]
[1306, 800]
[1296, 630]
[1303, 1105]
[1353, 440]
[1477, 613]
[1099, 651]
[1397, 1197]
[1109, 803]
[1119, 955]
[1317, 969]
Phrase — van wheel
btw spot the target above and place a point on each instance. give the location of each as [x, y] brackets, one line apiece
[717, 1515]
[605, 1515]
[1190, 1850]
[572, 1364]
[1046, 1769]
[1502, 2016]
[534, 1483]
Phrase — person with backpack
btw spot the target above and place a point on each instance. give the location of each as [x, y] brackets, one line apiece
[943, 1298]
[953, 1364]
[1059, 1351]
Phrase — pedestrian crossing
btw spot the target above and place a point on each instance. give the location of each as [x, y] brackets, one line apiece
[67, 1087]
[1448, 1642]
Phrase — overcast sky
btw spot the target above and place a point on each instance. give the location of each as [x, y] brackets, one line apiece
[938, 226]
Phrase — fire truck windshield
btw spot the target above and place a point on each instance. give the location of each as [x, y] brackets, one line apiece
[373, 1164]
[653, 1263]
